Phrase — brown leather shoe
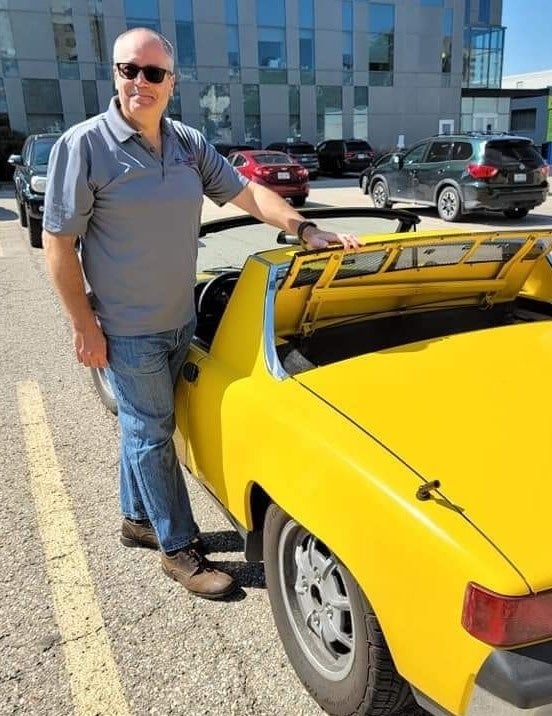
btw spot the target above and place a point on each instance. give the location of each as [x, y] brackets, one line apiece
[197, 574]
[142, 534]
[138, 534]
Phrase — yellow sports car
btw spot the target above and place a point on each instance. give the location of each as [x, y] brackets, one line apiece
[375, 424]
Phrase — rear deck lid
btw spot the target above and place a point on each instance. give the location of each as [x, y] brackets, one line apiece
[402, 272]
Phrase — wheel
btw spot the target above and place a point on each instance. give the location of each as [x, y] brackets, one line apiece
[22, 211]
[364, 184]
[516, 213]
[35, 232]
[298, 200]
[338, 171]
[380, 196]
[449, 204]
[105, 391]
[329, 630]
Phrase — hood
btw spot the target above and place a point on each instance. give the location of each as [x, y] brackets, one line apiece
[398, 272]
[473, 411]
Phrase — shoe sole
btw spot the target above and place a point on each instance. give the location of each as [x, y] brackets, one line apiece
[129, 542]
[231, 589]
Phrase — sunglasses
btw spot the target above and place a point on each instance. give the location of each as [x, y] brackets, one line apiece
[130, 71]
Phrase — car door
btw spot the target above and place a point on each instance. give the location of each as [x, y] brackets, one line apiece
[403, 183]
[434, 169]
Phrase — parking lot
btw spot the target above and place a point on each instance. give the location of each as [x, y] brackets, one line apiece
[87, 626]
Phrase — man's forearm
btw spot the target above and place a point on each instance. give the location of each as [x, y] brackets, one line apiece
[265, 205]
[65, 271]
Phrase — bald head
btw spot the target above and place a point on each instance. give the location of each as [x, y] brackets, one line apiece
[141, 37]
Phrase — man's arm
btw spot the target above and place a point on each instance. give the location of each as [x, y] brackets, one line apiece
[65, 271]
[267, 206]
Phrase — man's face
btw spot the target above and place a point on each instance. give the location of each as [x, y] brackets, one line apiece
[141, 100]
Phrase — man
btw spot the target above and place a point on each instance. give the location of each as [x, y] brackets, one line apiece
[130, 183]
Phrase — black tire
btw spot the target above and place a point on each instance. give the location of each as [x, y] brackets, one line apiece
[380, 195]
[104, 389]
[338, 169]
[516, 213]
[449, 204]
[298, 200]
[22, 211]
[35, 232]
[351, 673]
[364, 184]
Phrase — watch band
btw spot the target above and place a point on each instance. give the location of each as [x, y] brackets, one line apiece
[301, 229]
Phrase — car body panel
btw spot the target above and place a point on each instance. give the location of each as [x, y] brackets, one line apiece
[344, 448]
[32, 164]
[275, 170]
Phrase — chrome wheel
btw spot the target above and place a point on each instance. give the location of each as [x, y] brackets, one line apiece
[379, 195]
[448, 204]
[316, 601]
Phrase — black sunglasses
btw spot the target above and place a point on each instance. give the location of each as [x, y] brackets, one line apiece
[130, 71]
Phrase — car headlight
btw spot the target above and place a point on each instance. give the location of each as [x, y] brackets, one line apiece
[38, 184]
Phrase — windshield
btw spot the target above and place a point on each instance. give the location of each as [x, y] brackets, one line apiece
[358, 146]
[302, 149]
[41, 150]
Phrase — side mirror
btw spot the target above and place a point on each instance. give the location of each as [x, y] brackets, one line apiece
[398, 161]
[16, 160]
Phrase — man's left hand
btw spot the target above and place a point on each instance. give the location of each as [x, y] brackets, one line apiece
[314, 238]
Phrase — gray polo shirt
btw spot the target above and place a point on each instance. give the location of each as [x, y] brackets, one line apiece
[138, 215]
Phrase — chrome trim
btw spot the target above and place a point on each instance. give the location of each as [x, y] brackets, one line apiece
[272, 361]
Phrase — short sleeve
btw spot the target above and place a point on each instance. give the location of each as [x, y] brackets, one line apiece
[221, 182]
[69, 198]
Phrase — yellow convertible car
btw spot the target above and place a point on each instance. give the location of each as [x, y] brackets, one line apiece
[376, 425]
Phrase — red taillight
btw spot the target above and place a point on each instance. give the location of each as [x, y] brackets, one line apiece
[544, 170]
[350, 155]
[507, 621]
[262, 171]
[302, 173]
[482, 171]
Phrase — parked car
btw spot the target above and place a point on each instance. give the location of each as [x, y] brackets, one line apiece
[275, 170]
[460, 174]
[354, 415]
[29, 177]
[301, 152]
[338, 156]
[226, 149]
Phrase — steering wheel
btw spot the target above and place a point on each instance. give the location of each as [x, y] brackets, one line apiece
[213, 297]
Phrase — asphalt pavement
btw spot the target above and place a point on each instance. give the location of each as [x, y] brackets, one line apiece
[87, 626]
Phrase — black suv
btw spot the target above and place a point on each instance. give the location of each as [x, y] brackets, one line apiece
[29, 177]
[337, 156]
[301, 152]
[462, 173]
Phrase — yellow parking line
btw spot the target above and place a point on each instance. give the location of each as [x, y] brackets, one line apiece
[95, 685]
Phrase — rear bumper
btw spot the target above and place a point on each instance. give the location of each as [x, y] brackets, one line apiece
[517, 682]
[481, 196]
[288, 191]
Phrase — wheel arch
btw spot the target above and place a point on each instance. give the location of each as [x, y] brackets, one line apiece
[375, 179]
[443, 184]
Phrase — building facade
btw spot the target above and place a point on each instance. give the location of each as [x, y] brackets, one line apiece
[260, 70]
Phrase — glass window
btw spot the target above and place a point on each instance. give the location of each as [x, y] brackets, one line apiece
[329, 113]
[294, 112]
[90, 95]
[231, 12]
[483, 49]
[381, 18]
[271, 12]
[461, 150]
[432, 3]
[43, 105]
[360, 112]
[524, 120]
[485, 11]
[306, 13]
[174, 108]
[446, 53]
[306, 49]
[252, 114]
[347, 41]
[233, 39]
[7, 48]
[97, 31]
[147, 9]
[415, 155]
[467, 12]
[438, 152]
[185, 44]
[63, 7]
[347, 15]
[214, 102]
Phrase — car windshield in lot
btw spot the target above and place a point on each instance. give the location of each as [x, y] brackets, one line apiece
[272, 158]
[41, 151]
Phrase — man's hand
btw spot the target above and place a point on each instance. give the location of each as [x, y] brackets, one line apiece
[315, 238]
[90, 346]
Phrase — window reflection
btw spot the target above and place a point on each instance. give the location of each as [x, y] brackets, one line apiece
[252, 115]
[214, 101]
[142, 13]
[43, 105]
[271, 43]
[329, 113]
[381, 25]
[294, 112]
[360, 113]
[232, 39]
[483, 50]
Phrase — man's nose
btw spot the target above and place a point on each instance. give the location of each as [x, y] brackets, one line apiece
[140, 78]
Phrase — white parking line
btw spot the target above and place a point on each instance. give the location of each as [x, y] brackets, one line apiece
[94, 681]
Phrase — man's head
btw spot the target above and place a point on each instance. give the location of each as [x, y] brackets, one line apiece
[139, 58]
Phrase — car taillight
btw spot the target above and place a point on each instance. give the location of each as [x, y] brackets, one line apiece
[350, 155]
[482, 171]
[302, 173]
[262, 171]
[507, 621]
[545, 170]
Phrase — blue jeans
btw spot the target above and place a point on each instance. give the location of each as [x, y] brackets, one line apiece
[143, 372]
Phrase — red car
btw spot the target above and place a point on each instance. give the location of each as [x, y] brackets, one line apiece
[275, 170]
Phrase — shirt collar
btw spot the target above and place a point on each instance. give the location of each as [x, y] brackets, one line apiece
[120, 127]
